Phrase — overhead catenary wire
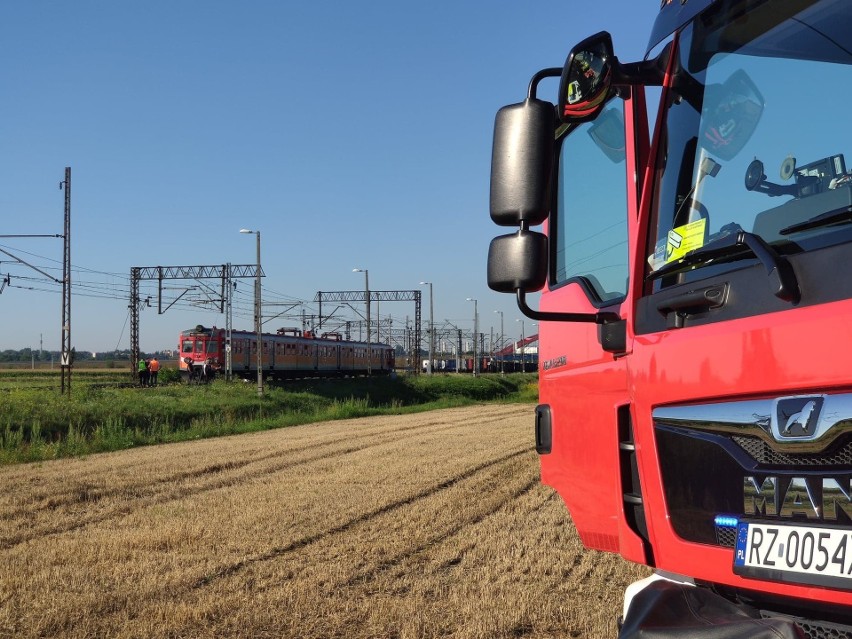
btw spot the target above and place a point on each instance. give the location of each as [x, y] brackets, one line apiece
[93, 283]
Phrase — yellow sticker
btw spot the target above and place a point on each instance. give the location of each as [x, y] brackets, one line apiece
[683, 239]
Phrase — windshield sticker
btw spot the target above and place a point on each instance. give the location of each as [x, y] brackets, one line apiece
[679, 241]
[683, 239]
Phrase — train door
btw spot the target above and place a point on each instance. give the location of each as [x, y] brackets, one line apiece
[247, 352]
[279, 355]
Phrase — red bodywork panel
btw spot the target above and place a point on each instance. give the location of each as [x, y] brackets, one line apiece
[585, 395]
[703, 364]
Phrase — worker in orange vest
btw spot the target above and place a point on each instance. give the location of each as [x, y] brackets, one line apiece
[153, 369]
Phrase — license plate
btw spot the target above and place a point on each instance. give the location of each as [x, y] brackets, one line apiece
[795, 554]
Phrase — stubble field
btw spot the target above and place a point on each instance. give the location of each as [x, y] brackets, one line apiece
[425, 525]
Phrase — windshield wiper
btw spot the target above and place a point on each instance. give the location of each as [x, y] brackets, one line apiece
[823, 219]
[782, 278]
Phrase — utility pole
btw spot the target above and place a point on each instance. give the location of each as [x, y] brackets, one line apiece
[459, 352]
[431, 328]
[500, 342]
[366, 273]
[258, 322]
[229, 295]
[66, 356]
[475, 333]
[523, 348]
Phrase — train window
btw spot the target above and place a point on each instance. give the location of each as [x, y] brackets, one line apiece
[213, 346]
[187, 346]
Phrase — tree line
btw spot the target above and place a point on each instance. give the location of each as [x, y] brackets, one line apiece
[37, 355]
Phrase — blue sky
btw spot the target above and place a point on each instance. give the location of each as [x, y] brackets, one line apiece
[351, 134]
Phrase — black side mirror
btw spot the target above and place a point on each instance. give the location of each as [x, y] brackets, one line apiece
[521, 168]
[521, 163]
[517, 261]
[586, 79]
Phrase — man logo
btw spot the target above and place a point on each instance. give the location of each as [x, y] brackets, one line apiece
[796, 418]
[801, 419]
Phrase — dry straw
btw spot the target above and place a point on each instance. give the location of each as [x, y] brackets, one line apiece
[426, 525]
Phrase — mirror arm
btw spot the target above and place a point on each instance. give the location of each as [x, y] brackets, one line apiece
[552, 72]
[646, 73]
[596, 318]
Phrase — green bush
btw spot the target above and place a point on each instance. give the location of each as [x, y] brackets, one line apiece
[168, 376]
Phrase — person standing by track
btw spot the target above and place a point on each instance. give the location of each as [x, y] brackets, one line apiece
[153, 369]
[142, 369]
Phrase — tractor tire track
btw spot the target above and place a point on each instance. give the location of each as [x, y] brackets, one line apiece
[86, 491]
[141, 498]
[374, 572]
[275, 553]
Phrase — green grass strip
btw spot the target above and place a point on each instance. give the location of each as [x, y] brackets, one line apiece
[39, 424]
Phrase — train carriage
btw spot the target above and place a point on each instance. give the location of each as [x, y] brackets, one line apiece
[288, 353]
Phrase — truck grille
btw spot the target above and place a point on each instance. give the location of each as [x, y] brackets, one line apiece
[762, 453]
[708, 452]
[726, 536]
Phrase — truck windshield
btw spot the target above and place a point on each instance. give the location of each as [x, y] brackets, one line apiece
[756, 133]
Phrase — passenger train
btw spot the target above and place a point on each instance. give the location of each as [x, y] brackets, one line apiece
[288, 353]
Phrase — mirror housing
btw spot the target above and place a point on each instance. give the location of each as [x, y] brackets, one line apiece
[517, 261]
[521, 171]
[587, 79]
[522, 162]
[592, 74]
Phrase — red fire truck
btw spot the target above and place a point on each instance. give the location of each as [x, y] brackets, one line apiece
[695, 308]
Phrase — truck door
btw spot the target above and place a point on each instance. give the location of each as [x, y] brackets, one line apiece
[740, 364]
[584, 385]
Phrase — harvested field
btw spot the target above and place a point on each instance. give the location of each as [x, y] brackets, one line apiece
[424, 525]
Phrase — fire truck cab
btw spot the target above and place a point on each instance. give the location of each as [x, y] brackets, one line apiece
[686, 223]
